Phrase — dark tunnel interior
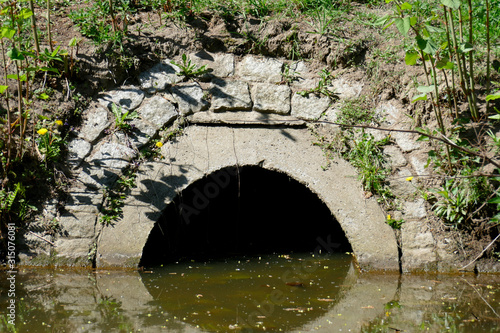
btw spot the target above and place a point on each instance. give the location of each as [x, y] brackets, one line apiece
[242, 212]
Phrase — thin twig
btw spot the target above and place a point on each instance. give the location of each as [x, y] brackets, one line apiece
[480, 254]
[31, 232]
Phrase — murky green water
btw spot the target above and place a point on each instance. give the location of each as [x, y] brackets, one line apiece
[272, 293]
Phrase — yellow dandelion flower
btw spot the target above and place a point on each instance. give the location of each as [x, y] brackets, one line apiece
[389, 216]
[59, 122]
[409, 179]
[159, 144]
[42, 131]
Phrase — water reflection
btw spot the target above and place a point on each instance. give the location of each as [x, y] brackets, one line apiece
[251, 295]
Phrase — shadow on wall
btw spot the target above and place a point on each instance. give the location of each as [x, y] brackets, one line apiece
[242, 211]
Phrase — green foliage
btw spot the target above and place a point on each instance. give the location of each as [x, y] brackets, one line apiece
[189, 70]
[13, 203]
[122, 117]
[356, 111]
[395, 224]
[322, 20]
[49, 141]
[288, 75]
[463, 192]
[496, 201]
[6, 326]
[259, 8]
[114, 198]
[100, 23]
[323, 86]
[367, 157]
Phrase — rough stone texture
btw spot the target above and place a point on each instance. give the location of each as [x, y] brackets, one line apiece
[347, 90]
[309, 107]
[113, 156]
[271, 98]
[415, 209]
[230, 95]
[157, 111]
[331, 114]
[97, 121]
[259, 69]
[73, 252]
[400, 186]
[301, 76]
[418, 247]
[159, 77]
[105, 164]
[189, 97]
[389, 112]
[396, 156]
[419, 162]
[221, 64]
[129, 98]
[78, 227]
[143, 132]
[78, 149]
[406, 141]
[203, 150]
[449, 254]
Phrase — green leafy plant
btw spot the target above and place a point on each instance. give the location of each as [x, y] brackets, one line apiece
[190, 70]
[323, 86]
[395, 224]
[368, 158]
[496, 201]
[122, 117]
[322, 21]
[356, 111]
[288, 76]
[259, 8]
[114, 198]
[50, 142]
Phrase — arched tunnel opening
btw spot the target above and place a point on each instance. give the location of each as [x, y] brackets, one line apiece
[243, 211]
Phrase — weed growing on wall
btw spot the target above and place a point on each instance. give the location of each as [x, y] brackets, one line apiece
[448, 38]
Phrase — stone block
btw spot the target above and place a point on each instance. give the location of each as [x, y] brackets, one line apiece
[143, 132]
[78, 149]
[347, 90]
[256, 69]
[309, 107]
[419, 163]
[220, 64]
[418, 247]
[112, 155]
[230, 95]
[157, 111]
[127, 98]
[159, 77]
[189, 98]
[415, 209]
[78, 226]
[96, 122]
[396, 156]
[406, 141]
[73, 252]
[400, 186]
[271, 98]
